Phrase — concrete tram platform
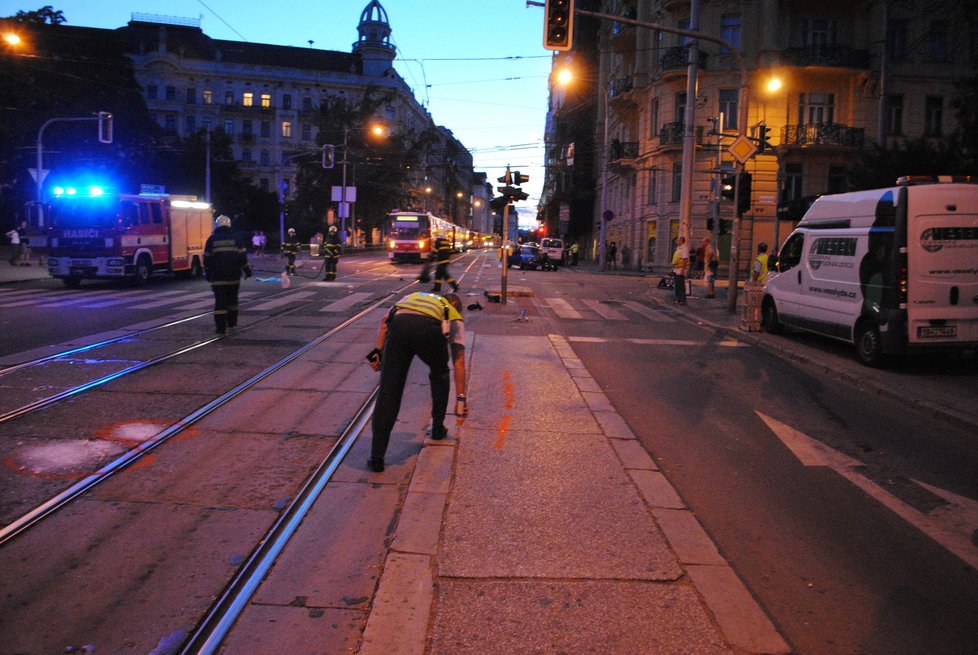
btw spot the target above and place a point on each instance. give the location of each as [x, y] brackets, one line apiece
[543, 526]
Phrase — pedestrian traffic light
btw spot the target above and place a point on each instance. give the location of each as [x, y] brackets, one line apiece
[558, 24]
[104, 127]
[329, 155]
[727, 186]
[519, 179]
[763, 142]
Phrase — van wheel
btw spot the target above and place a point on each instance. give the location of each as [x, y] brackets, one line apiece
[770, 320]
[869, 345]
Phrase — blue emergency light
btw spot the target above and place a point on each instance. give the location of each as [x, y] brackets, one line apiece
[91, 191]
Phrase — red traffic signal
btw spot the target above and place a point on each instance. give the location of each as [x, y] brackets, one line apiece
[519, 178]
[558, 24]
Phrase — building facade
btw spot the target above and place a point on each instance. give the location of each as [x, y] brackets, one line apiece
[267, 98]
[827, 81]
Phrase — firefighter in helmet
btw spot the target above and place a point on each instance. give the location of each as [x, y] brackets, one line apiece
[332, 249]
[290, 248]
[225, 259]
[441, 254]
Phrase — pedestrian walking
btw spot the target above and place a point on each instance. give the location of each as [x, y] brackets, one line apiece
[18, 239]
[680, 266]
[225, 260]
[256, 243]
[613, 256]
[290, 248]
[758, 272]
[442, 253]
[711, 260]
[626, 257]
[574, 250]
[332, 249]
[262, 242]
[429, 326]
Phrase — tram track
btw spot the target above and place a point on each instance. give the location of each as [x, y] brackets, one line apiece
[209, 630]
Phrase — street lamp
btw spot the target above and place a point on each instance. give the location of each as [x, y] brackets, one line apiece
[376, 129]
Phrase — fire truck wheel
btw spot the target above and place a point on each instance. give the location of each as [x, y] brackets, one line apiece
[195, 269]
[143, 270]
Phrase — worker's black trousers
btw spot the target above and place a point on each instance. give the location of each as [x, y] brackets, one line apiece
[225, 304]
[329, 266]
[441, 273]
[409, 335]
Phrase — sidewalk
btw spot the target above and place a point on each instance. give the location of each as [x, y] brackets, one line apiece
[543, 526]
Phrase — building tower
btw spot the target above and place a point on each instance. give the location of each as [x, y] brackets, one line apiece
[374, 44]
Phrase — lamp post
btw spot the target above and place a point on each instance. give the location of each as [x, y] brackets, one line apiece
[377, 130]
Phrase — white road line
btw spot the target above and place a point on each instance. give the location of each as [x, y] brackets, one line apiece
[648, 312]
[284, 300]
[562, 308]
[170, 301]
[605, 311]
[345, 303]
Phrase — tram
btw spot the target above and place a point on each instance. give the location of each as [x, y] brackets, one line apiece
[410, 235]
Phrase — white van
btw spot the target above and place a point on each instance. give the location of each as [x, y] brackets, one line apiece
[889, 270]
[554, 249]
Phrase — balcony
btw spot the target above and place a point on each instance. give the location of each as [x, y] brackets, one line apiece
[823, 134]
[676, 59]
[671, 135]
[620, 92]
[622, 154]
[838, 56]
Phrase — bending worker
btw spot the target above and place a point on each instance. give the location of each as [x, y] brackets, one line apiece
[332, 249]
[442, 253]
[290, 248]
[225, 259]
[426, 325]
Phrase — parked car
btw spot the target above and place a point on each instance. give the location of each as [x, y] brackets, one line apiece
[528, 256]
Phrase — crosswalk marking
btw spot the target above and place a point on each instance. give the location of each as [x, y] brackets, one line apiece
[647, 312]
[605, 311]
[171, 301]
[345, 303]
[120, 297]
[287, 299]
[562, 308]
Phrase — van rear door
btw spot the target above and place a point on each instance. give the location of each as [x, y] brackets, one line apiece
[942, 263]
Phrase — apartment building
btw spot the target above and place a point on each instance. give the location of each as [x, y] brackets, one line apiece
[828, 81]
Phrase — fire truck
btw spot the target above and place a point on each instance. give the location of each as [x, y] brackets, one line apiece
[95, 234]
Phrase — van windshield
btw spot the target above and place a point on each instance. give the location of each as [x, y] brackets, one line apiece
[552, 243]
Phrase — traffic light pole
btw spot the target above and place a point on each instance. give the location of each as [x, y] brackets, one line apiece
[505, 251]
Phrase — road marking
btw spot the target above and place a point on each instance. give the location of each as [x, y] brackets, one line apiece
[562, 308]
[647, 312]
[171, 301]
[284, 300]
[951, 526]
[726, 343]
[345, 303]
[605, 311]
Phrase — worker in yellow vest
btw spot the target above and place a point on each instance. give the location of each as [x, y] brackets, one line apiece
[430, 326]
[758, 272]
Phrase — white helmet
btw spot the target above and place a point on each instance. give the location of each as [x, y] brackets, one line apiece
[291, 231]
[222, 221]
[332, 229]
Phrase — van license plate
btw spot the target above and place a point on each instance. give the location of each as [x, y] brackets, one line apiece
[931, 332]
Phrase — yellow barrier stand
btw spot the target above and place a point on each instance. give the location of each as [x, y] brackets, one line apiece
[750, 310]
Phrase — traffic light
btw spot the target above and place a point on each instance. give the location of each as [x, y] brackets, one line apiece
[513, 193]
[329, 155]
[727, 190]
[104, 127]
[506, 179]
[763, 142]
[558, 24]
[519, 179]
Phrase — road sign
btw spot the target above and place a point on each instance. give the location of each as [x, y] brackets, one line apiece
[44, 174]
[742, 149]
[337, 194]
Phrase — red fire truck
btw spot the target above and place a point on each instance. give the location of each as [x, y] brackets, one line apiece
[96, 234]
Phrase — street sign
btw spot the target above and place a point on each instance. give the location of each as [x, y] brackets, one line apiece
[44, 174]
[742, 149]
[337, 194]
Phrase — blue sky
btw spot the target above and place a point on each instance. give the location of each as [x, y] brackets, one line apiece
[479, 67]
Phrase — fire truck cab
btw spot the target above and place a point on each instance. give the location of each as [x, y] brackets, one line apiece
[94, 234]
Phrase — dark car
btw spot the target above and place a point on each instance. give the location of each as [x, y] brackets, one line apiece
[530, 256]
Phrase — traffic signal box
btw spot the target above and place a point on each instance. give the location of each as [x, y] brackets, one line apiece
[558, 24]
[727, 191]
